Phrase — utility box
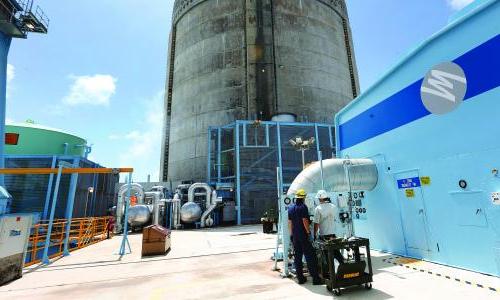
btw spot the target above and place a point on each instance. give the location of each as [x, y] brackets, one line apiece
[14, 234]
[155, 240]
[229, 211]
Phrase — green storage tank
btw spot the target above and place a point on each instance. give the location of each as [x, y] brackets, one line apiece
[34, 139]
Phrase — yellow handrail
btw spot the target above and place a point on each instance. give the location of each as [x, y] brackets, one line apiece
[24, 171]
[82, 231]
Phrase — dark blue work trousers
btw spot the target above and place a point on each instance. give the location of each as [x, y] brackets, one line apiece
[305, 248]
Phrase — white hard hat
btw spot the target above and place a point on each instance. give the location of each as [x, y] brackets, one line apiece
[322, 194]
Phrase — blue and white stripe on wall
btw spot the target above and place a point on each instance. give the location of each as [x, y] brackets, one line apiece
[481, 66]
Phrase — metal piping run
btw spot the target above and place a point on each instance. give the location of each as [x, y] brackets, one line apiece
[199, 185]
[206, 221]
[136, 189]
[176, 211]
[156, 206]
[362, 176]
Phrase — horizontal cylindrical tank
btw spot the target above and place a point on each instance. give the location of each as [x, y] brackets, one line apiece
[139, 215]
[190, 212]
[251, 59]
[284, 117]
[339, 175]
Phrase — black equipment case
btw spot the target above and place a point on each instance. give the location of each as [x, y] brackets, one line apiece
[356, 269]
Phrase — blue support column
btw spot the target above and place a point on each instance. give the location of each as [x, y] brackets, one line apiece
[45, 257]
[219, 147]
[49, 190]
[316, 136]
[69, 210]
[280, 159]
[330, 135]
[95, 181]
[126, 203]
[209, 154]
[4, 52]
[238, 191]
[320, 155]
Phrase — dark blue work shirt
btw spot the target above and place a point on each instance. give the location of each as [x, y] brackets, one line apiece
[296, 213]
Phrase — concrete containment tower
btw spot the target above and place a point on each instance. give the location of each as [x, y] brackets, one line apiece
[251, 59]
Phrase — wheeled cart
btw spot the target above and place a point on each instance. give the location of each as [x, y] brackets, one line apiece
[356, 270]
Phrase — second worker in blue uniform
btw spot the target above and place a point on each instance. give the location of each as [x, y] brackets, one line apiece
[298, 223]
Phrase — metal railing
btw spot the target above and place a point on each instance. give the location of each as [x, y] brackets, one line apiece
[38, 13]
[82, 233]
[41, 16]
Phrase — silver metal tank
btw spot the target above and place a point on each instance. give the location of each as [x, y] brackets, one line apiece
[190, 212]
[139, 215]
[251, 59]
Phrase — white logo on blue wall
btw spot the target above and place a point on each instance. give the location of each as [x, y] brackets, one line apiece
[443, 88]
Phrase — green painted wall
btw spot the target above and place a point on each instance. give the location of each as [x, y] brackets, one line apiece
[38, 140]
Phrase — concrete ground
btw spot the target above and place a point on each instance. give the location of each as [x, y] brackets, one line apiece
[227, 263]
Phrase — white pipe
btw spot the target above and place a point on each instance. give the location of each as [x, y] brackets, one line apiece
[135, 189]
[211, 206]
[156, 206]
[176, 208]
[159, 188]
[199, 185]
[363, 176]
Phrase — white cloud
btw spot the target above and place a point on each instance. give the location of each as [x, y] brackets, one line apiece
[93, 90]
[459, 4]
[114, 137]
[144, 143]
[11, 74]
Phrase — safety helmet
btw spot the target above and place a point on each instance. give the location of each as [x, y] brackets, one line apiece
[322, 194]
[301, 194]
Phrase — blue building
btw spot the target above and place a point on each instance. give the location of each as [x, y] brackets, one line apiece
[430, 124]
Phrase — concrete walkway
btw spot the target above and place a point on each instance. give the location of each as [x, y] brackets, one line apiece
[226, 263]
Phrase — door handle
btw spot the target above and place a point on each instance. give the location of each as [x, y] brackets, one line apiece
[478, 211]
[421, 212]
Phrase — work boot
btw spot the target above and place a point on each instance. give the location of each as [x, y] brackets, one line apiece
[301, 280]
[317, 281]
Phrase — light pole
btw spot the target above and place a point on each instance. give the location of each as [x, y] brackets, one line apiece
[90, 190]
[302, 145]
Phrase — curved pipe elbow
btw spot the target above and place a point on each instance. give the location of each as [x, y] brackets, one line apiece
[362, 176]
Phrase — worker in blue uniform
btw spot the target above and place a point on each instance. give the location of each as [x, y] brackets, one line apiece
[299, 226]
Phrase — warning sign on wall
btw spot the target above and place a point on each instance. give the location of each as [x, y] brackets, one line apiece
[426, 180]
[410, 193]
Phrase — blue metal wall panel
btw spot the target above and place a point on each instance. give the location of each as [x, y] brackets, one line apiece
[29, 192]
[4, 52]
[461, 226]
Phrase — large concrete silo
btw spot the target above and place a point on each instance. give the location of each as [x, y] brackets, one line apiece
[250, 59]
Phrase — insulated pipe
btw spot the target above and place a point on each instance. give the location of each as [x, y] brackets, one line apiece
[362, 176]
[211, 206]
[156, 205]
[159, 188]
[200, 185]
[135, 189]
[176, 210]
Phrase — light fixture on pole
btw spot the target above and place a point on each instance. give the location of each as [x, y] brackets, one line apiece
[90, 190]
[302, 145]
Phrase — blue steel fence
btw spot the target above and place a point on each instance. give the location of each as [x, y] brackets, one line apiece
[32, 193]
[247, 153]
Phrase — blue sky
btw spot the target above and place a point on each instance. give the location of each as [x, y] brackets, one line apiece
[100, 72]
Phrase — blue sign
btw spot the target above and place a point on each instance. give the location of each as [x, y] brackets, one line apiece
[409, 183]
